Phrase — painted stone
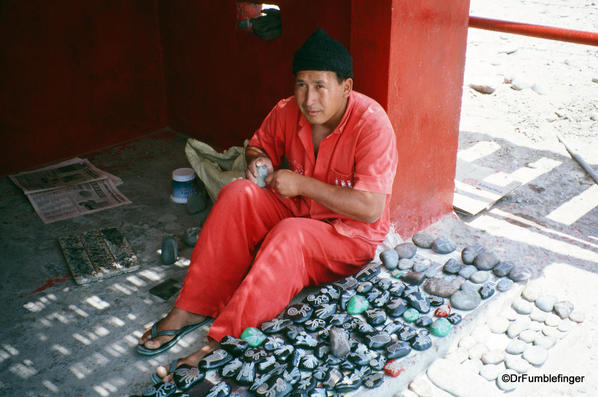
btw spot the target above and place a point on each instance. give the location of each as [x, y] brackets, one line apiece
[455, 318]
[338, 319]
[266, 364]
[411, 315]
[273, 342]
[215, 359]
[392, 327]
[394, 368]
[486, 260]
[487, 290]
[305, 384]
[274, 326]
[378, 341]
[424, 322]
[563, 309]
[520, 273]
[504, 285]
[274, 387]
[229, 370]
[381, 300]
[359, 358]
[169, 251]
[339, 342]
[256, 355]
[346, 295]
[398, 349]
[293, 330]
[421, 342]
[423, 240]
[396, 288]
[292, 375]
[348, 384]
[333, 376]
[410, 289]
[436, 301]
[546, 302]
[406, 250]
[443, 245]
[407, 333]
[452, 266]
[469, 254]
[234, 346]
[186, 376]
[325, 310]
[368, 272]
[318, 299]
[305, 340]
[221, 389]
[346, 283]
[479, 277]
[246, 374]
[309, 362]
[465, 300]
[362, 328]
[467, 271]
[440, 327]
[357, 305]
[331, 291]
[320, 373]
[384, 284]
[390, 259]
[374, 380]
[315, 324]
[364, 287]
[296, 357]
[375, 316]
[397, 273]
[253, 336]
[374, 293]
[443, 286]
[419, 302]
[503, 268]
[405, 264]
[283, 353]
[413, 278]
[299, 313]
[443, 311]
[333, 361]
[377, 363]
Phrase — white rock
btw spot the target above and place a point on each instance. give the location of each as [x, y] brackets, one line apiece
[458, 381]
[480, 333]
[551, 331]
[506, 386]
[547, 342]
[518, 326]
[510, 314]
[552, 320]
[497, 341]
[536, 326]
[538, 315]
[458, 356]
[516, 346]
[493, 356]
[475, 353]
[564, 326]
[528, 335]
[522, 306]
[491, 371]
[546, 302]
[577, 316]
[539, 89]
[498, 325]
[467, 342]
[520, 83]
[472, 366]
[535, 355]
[517, 363]
[422, 386]
[531, 292]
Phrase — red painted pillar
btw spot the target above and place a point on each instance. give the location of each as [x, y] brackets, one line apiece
[410, 56]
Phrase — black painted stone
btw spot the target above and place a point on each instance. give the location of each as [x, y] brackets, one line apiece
[419, 302]
[424, 321]
[309, 362]
[215, 359]
[423, 331]
[345, 297]
[323, 333]
[185, 376]
[397, 349]
[410, 289]
[451, 266]
[296, 357]
[333, 361]
[324, 311]
[331, 291]
[381, 300]
[283, 353]
[321, 351]
[293, 330]
[487, 291]
[319, 299]
[414, 278]
[377, 363]
[364, 287]
[274, 326]
[292, 375]
[396, 307]
[160, 390]
[503, 268]
[421, 342]
[346, 365]
[358, 358]
[407, 333]
[374, 380]
[333, 376]
[221, 389]
[315, 324]
[255, 355]
[234, 346]
[306, 384]
[266, 364]
[305, 340]
[348, 384]
[299, 313]
[361, 327]
[397, 287]
[246, 374]
[375, 316]
[317, 392]
[229, 370]
[378, 340]
[436, 301]
[369, 271]
[346, 283]
[273, 342]
[274, 387]
[338, 319]
[384, 284]
[454, 318]
[392, 327]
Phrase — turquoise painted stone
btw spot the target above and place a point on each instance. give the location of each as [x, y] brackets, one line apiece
[253, 336]
[357, 305]
[411, 315]
[398, 274]
[440, 327]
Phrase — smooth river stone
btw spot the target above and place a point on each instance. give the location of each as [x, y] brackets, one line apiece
[406, 250]
[357, 305]
[504, 284]
[479, 277]
[339, 342]
[465, 300]
[503, 268]
[411, 315]
[452, 266]
[535, 355]
[467, 271]
[405, 264]
[498, 325]
[443, 245]
[486, 260]
[531, 292]
[522, 306]
[493, 356]
[546, 302]
[517, 363]
[469, 253]
[518, 326]
[520, 273]
[440, 327]
[487, 290]
[491, 371]
[169, 252]
[528, 335]
[547, 342]
[457, 380]
[390, 259]
[506, 386]
[552, 320]
[423, 240]
[577, 316]
[413, 278]
[563, 309]
[443, 286]
[421, 265]
[253, 336]
[538, 315]
[516, 347]
[469, 286]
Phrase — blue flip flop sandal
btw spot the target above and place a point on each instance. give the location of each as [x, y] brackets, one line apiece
[178, 334]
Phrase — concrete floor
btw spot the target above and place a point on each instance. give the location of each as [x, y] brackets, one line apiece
[68, 340]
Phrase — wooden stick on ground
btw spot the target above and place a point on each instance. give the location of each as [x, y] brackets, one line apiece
[579, 160]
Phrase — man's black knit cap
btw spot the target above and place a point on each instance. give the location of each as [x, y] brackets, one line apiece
[322, 52]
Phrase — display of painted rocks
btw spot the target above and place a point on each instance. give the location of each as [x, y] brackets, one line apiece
[405, 264]
[357, 305]
[443, 311]
[273, 342]
[246, 374]
[465, 300]
[563, 309]
[421, 342]
[469, 254]
[443, 286]
[253, 336]
[299, 313]
[467, 270]
[504, 284]
[546, 302]
[423, 240]
[390, 259]
[186, 376]
[519, 273]
[315, 324]
[443, 245]
[274, 326]
[413, 278]
[454, 318]
[502, 268]
[274, 387]
[485, 260]
[452, 266]
[440, 327]
[378, 340]
[234, 346]
[160, 390]
[411, 315]
[230, 369]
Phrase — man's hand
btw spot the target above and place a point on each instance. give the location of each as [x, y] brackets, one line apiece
[286, 183]
[256, 157]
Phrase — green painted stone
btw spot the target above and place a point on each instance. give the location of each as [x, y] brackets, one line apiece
[440, 327]
[411, 315]
[398, 274]
[253, 336]
[357, 304]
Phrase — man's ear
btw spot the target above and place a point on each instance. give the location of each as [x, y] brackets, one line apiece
[347, 87]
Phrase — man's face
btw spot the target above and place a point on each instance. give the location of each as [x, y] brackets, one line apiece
[321, 98]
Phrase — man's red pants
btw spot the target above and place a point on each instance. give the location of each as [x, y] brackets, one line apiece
[239, 288]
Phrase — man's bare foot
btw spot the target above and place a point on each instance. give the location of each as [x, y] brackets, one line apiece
[192, 360]
[176, 319]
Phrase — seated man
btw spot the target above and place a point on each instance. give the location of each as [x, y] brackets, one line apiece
[316, 223]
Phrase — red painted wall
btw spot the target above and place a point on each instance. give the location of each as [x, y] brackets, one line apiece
[76, 76]
[222, 81]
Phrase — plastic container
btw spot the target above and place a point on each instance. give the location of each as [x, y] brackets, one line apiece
[183, 183]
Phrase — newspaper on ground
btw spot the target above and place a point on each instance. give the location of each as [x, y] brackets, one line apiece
[68, 189]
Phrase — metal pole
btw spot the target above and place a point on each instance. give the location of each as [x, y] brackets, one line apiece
[545, 32]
